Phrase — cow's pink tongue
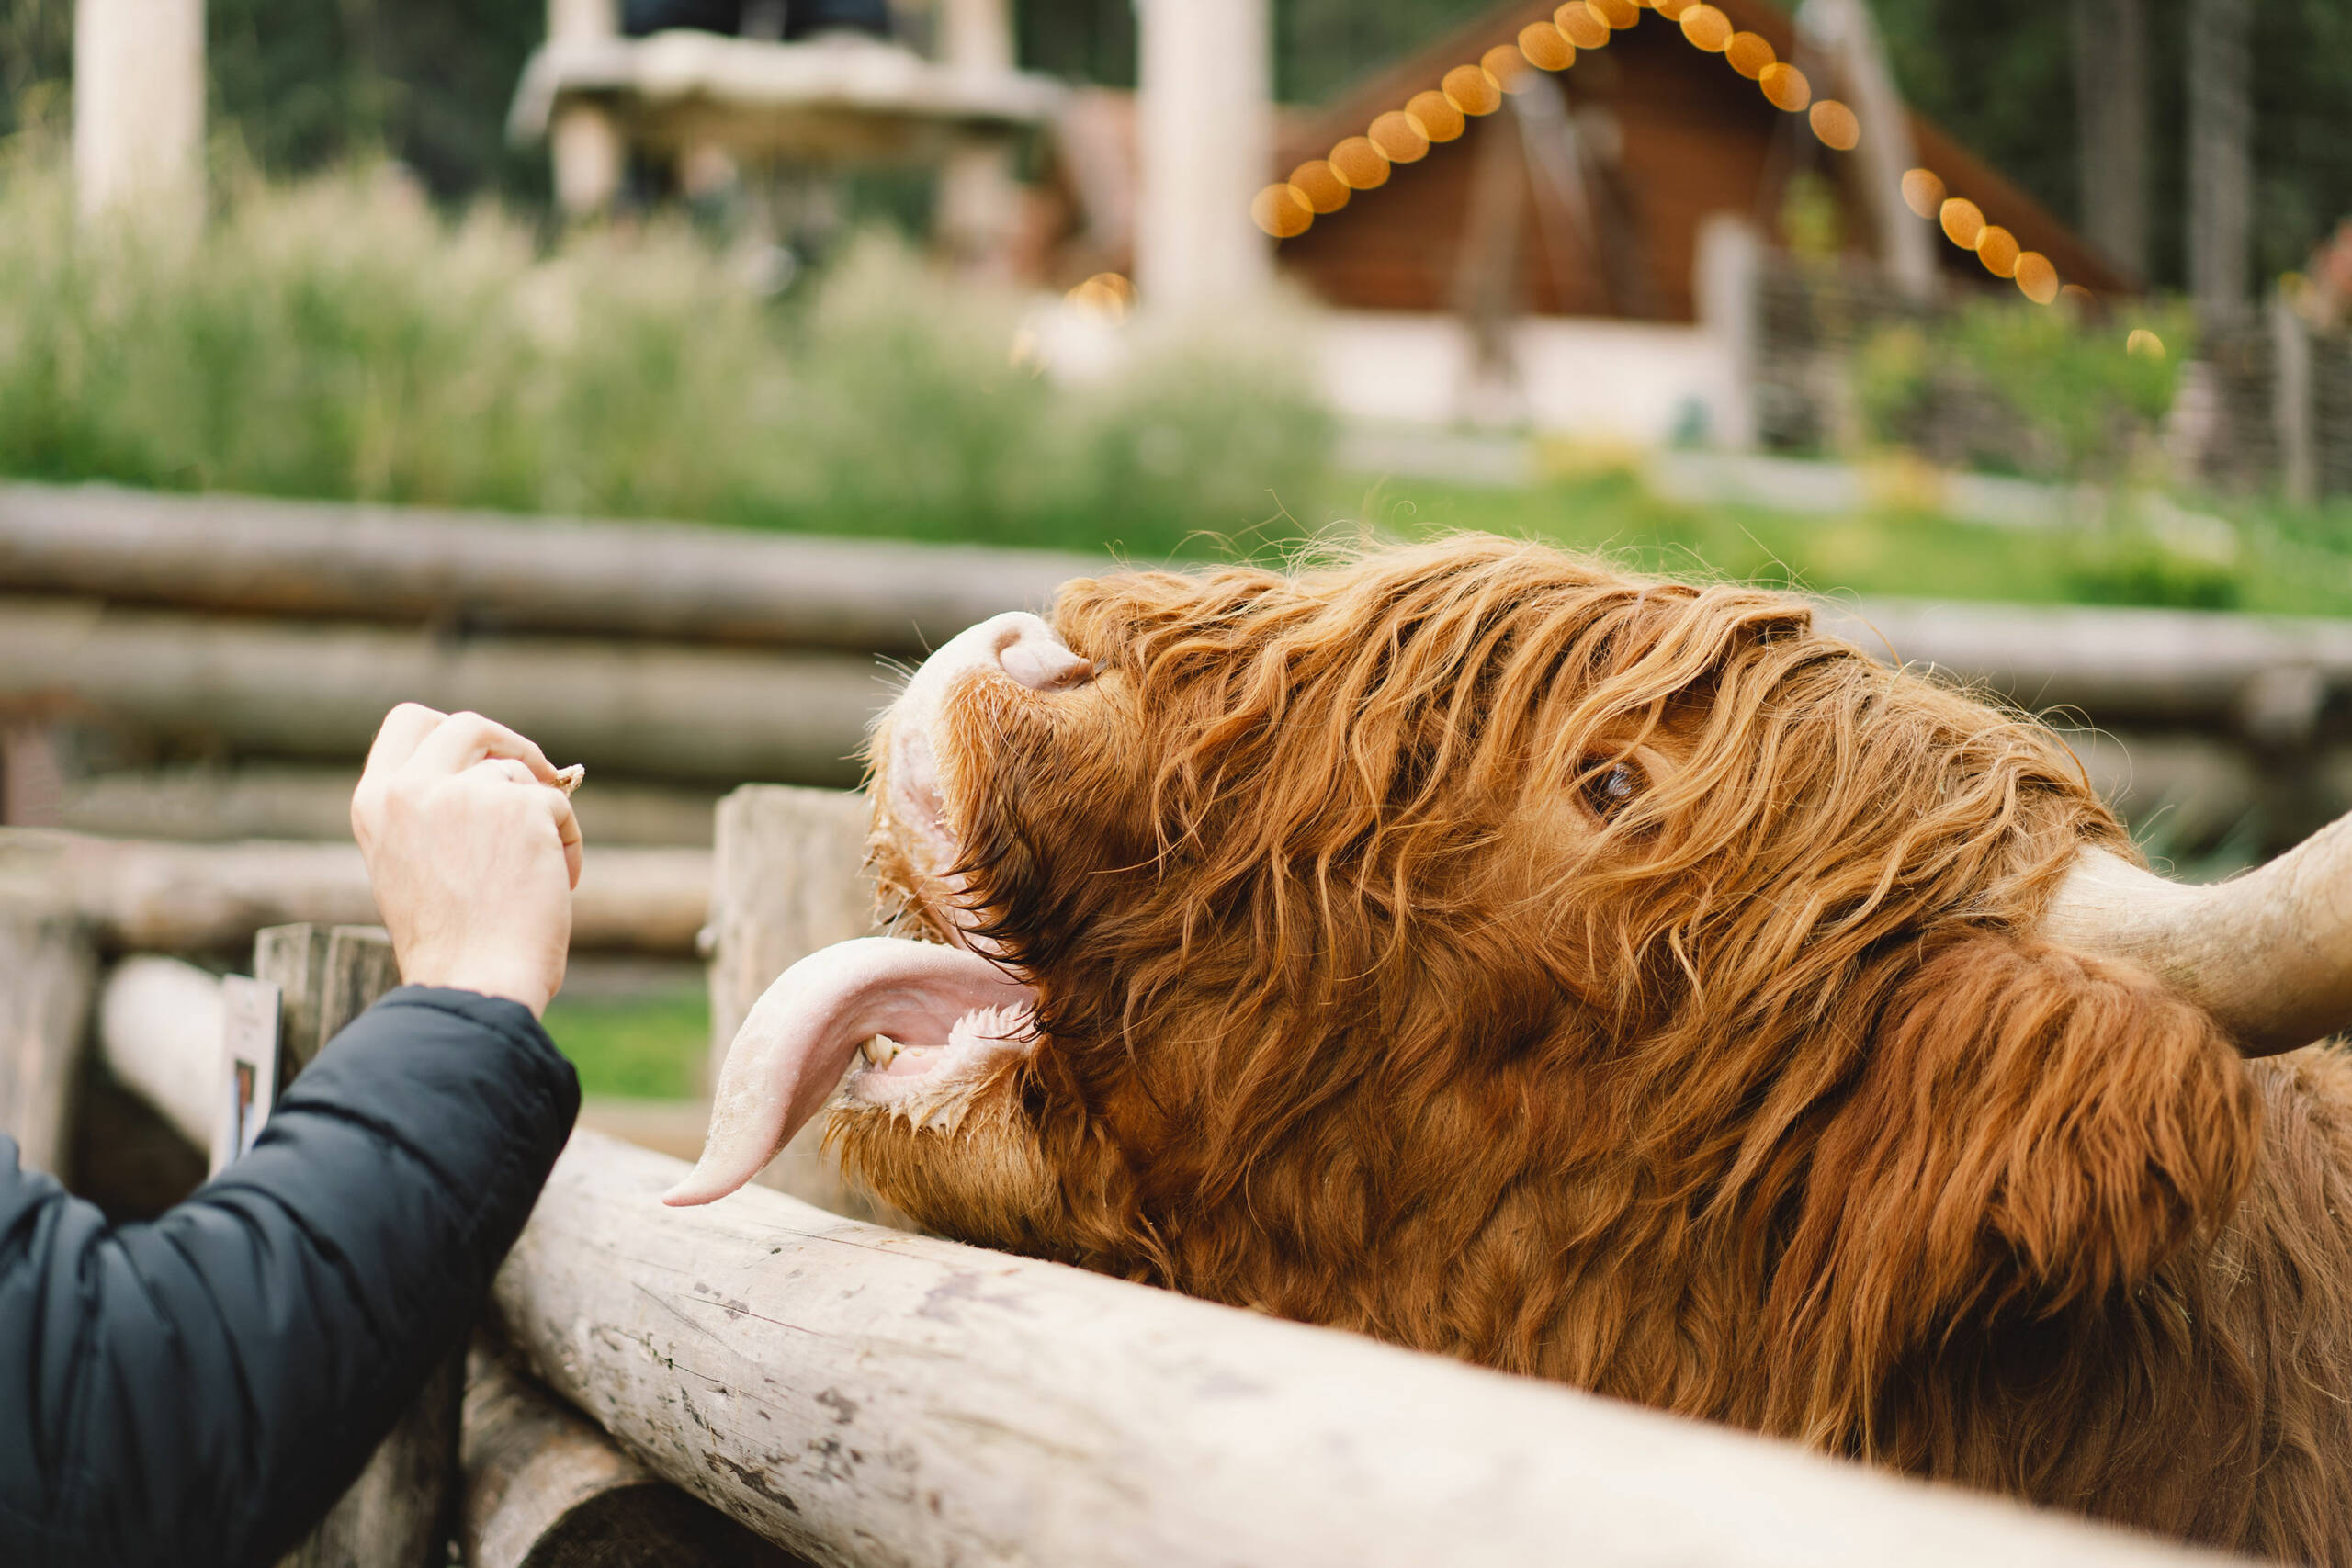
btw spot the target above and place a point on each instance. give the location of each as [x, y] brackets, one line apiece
[791, 1052]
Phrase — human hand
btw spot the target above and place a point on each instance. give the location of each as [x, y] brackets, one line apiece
[472, 851]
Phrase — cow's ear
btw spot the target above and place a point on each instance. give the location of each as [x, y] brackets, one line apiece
[2030, 1128]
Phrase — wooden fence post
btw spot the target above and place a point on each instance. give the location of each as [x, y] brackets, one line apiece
[48, 978]
[545, 1488]
[2293, 403]
[395, 1514]
[788, 877]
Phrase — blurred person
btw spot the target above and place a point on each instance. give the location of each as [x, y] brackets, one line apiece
[200, 1389]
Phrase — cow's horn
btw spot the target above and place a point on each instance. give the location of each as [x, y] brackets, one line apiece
[2268, 954]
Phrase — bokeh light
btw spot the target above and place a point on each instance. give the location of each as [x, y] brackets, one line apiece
[1964, 221]
[1787, 88]
[1837, 125]
[1321, 184]
[1398, 139]
[1616, 13]
[2075, 295]
[1583, 26]
[1544, 48]
[1436, 115]
[1508, 67]
[2144, 343]
[1672, 9]
[1707, 27]
[1362, 165]
[1924, 192]
[2037, 277]
[1472, 89]
[1280, 210]
[1109, 295]
[1750, 55]
[1998, 250]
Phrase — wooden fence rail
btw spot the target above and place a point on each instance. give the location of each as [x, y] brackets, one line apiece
[290, 689]
[672, 580]
[489, 577]
[145, 897]
[867, 1397]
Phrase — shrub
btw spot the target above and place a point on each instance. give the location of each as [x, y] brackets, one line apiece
[2013, 388]
[339, 339]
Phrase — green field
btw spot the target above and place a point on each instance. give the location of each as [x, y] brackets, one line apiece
[638, 1047]
[2284, 562]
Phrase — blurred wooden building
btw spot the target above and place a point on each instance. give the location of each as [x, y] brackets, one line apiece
[1550, 267]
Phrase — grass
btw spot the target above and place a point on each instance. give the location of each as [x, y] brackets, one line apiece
[2285, 562]
[648, 1046]
[340, 338]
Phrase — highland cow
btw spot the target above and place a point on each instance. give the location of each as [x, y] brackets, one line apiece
[1613, 981]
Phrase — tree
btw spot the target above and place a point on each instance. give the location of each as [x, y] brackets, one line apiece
[2220, 155]
[2111, 111]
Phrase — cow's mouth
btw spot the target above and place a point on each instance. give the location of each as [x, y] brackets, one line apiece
[928, 1082]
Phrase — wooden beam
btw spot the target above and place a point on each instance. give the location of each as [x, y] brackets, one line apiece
[48, 978]
[864, 1396]
[286, 689]
[145, 897]
[160, 1024]
[675, 581]
[789, 878]
[219, 804]
[543, 1487]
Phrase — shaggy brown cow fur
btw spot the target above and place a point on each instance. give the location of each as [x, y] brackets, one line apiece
[1626, 983]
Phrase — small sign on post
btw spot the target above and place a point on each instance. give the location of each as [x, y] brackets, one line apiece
[248, 1076]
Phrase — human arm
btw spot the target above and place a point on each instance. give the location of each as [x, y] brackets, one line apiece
[198, 1390]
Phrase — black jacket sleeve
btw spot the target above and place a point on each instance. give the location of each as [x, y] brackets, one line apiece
[197, 1391]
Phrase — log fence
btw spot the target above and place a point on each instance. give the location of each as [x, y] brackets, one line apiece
[777, 1379]
[266, 638]
[768, 1381]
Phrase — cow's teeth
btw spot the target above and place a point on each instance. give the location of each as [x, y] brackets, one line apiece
[882, 1049]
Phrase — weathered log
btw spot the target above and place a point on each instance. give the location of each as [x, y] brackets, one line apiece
[864, 1396]
[203, 897]
[788, 877]
[159, 1033]
[544, 1487]
[683, 583]
[286, 689]
[393, 1516]
[48, 978]
[2264, 676]
[381, 563]
[216, 804]
[673, 1127]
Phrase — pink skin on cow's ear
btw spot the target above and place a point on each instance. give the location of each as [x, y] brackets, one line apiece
[945, 1002]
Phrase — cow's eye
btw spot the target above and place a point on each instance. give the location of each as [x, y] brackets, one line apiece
[1612, 789]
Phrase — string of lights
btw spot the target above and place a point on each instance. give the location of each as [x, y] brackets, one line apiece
[1323, 185]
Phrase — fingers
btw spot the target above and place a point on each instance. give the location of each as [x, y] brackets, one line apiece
[403, 729]
[567, 827]
[508, 769]
[462, 740]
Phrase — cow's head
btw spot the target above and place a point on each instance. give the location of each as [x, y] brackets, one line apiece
[1484, 948]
